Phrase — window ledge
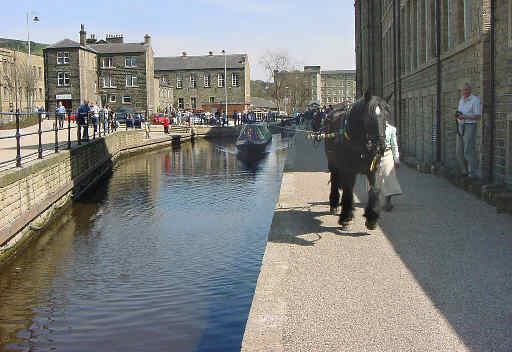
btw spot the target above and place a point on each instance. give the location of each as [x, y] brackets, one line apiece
[109, 87]
[130, 67]
[107, 67]
[131, 86]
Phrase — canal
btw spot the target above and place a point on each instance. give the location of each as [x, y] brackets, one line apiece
[163, 255]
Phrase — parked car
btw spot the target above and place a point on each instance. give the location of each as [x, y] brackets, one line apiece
[159, 118]
[138, 119]
[123, 114]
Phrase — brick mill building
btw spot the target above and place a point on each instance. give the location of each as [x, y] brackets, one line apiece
[338, 86]
[323, 87]
[104, 72]
[199, 82]
[423, 51]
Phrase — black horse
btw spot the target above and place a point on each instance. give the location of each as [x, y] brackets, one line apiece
[354, 145]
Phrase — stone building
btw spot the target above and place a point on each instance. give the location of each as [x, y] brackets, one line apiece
[199, 81]
[105, 72]
[338, 86]
[14, 73]
[164, 96]
[423, 51]
[323, 87]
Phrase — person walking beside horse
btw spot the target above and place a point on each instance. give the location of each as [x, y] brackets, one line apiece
[389, 185]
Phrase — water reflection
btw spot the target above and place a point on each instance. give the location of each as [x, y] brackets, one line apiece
[164, 255]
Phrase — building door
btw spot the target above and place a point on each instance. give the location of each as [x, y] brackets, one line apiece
[67, 104]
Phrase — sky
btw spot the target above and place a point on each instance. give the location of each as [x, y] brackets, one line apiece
[310, 32]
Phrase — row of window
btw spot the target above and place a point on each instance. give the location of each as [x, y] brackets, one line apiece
[235, 80]
[338, 91]
[38, 93]
[193, 102]
[130, 81]
[341, 83]
[63, 80]
[107, 62]
[335, 99]
[126, 99]
[459, 22]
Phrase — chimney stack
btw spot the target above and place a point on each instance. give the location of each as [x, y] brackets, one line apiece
[184, 53]
[210, 53]
[91, 40]
[147, 39]
[82, 35]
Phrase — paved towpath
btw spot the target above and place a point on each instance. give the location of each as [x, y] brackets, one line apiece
[436, 275]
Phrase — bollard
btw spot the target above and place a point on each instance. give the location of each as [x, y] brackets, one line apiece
[87, 128]
[56, 128]
[18, 140]
[69, 131]
[40, 133]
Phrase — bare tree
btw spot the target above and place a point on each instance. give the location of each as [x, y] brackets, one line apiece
[20, 80]
[275, 65]
[298, 90]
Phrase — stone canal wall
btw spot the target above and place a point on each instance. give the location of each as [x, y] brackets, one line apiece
[32, 195]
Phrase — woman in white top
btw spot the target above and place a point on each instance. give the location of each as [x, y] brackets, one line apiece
[389, 185]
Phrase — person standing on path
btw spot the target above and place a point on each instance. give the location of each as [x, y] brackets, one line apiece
[468, 114]
[60, 115]
[389, 185]
[95, 117]
[81, 119]
[105, 119]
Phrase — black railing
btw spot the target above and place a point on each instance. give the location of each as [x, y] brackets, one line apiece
[88, 126]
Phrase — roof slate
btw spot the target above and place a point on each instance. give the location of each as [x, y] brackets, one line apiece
[109, 48]
[177, 63]
[66, 43]
[334, 72]
[118, 48]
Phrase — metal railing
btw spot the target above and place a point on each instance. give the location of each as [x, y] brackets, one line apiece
[87, 128]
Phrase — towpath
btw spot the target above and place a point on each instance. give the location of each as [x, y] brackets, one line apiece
[436, 275]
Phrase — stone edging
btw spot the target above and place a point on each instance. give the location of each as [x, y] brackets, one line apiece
[497, 195]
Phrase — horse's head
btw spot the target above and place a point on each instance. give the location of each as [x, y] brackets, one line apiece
[375, 113]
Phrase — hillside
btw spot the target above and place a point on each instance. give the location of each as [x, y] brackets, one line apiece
[261, 89]
[21, 45]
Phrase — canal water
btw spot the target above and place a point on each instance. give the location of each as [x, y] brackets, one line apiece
[163, 255]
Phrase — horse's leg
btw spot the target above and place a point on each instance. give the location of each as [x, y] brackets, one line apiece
[371, 212]
[347, 200]
[334, 196]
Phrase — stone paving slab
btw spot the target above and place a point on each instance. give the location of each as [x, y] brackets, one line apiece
[436, 275]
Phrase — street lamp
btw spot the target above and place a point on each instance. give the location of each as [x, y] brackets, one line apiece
[225, 81]
[35, 20]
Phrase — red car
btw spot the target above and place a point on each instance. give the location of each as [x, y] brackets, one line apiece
[160, 119]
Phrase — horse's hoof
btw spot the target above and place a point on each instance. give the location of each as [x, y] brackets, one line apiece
[334, 210]
[345, 220]
[370, 225]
